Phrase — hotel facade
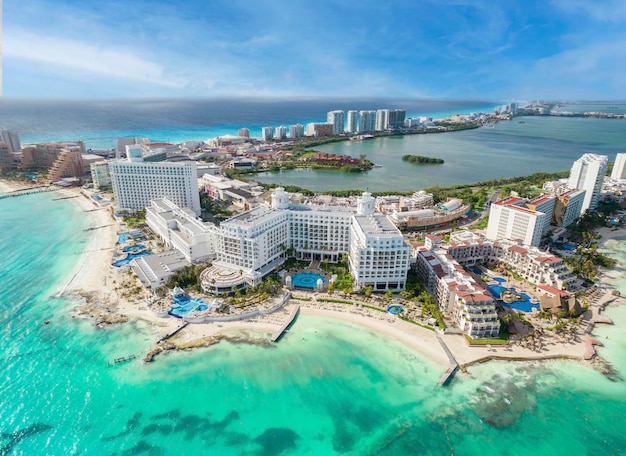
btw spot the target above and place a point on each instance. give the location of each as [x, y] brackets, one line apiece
[257, 241]
[135, 183]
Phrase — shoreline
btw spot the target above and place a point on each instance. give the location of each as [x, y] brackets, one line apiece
[93, 278]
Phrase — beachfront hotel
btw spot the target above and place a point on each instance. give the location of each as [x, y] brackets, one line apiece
[518, 218]
[587, 174]
[135, 182]
[442, 267]
[457, 293]
[379, 257]
[252, 244]
[179, 228]
[533, 264]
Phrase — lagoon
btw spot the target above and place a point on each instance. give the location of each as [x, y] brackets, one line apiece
[540, 144]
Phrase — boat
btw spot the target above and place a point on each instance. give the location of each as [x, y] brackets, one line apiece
[521, 121]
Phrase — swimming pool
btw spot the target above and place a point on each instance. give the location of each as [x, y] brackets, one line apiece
[184, 305]
[395, 309]
[127, 235]
[134, 248]
[130, 257]
[306, 280]
[525, 305]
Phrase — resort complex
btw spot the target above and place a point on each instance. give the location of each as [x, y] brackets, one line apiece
[373, 238]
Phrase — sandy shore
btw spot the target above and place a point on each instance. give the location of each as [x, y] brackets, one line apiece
[94, 279]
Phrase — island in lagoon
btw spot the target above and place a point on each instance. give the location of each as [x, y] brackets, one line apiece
[421, 160]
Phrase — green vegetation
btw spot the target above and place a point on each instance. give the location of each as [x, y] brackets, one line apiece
[213, 209]
[135, 219]
[344, 279]
[587, 259]
[188, 277]
[421, 160]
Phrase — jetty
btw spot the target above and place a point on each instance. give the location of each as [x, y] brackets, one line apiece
[97, 227]
[173, 333]
[454, 366]
[65, 198]
[278, 334]
[121, 360]
[28, 191]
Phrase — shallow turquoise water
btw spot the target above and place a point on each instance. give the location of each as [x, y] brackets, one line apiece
[327, 388]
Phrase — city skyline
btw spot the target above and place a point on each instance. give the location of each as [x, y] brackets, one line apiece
[456, 49]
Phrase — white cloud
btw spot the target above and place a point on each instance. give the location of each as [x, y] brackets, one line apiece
[87, 58]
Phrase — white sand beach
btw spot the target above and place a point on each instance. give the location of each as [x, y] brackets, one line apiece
[94, 278]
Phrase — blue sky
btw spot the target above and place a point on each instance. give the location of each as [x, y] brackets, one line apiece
[495, 49]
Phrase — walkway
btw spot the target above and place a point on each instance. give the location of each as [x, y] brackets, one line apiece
[445, 378]
[278, 334]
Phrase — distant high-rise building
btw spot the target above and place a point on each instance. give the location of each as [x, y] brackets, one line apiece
[391, 119]
[244, 132]
[267, 133]
[382, 119]
[121, 143]
[619, 167]
[587, 174]
[352, 121]
[280, 133]
[367, 121]
[100, 175]
[319, 129]
[337, 120]
[296, 131]
[400, 117]
[12, 140]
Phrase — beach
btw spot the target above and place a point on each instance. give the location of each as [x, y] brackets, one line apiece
[93, 283]
[94, 276]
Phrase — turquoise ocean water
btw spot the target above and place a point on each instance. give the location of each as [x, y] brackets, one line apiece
[327, 388]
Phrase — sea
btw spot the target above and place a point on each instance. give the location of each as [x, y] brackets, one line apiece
[327, 388]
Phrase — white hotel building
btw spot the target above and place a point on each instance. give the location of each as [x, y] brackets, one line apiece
[180, 229]
[518, 218]
[378, 255]
[257, 241]
[587, 174]
[135, 183]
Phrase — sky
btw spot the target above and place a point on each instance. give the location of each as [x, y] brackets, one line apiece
[469, 49]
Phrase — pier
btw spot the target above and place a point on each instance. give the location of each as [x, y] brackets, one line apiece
[278, 334]
[121, 360]
[173, 333]
[28, 191]
[97, 227]
[454, 366]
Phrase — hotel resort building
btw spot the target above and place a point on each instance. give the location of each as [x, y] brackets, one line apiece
[457, 293]
[252, 244]
[519, 218]
[135, 182]
[442, 266]
[587, 174]
[180, 229]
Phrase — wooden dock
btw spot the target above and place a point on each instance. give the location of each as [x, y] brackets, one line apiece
[28, 191]
[278, 334]
[454, 366]
[173, 333]
[121, 360]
